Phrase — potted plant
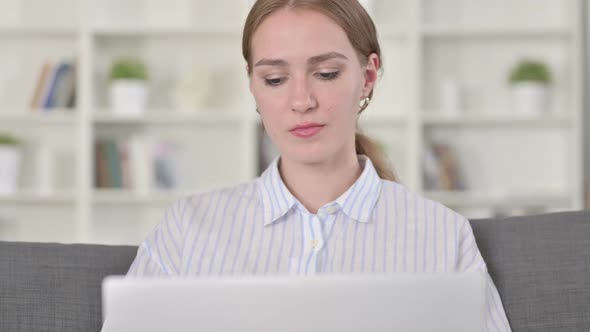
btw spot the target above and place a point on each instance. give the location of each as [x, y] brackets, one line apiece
[9, 164]
[128, 86]
[530, 82]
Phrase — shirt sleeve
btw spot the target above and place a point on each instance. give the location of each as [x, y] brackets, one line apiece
[469, 259]
[160, 254]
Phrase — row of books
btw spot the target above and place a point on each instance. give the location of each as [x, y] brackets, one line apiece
[56, 86]
[441, 168]
[137, 164]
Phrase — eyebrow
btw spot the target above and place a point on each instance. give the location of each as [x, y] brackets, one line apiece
[312, 61]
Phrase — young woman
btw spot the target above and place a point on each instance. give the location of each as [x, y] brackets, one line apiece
[329, 203]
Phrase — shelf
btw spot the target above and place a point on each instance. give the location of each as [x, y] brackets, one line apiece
[490, 200]
[38, 32]
[60, 117]
[30, 198]
[212, 31]
[490, 119]
[494, 32]
[167, 118]
[126, 197]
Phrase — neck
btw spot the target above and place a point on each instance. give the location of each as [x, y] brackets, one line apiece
[316, 184]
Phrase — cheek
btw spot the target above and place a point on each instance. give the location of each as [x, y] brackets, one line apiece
[341, 104]
[268, 99]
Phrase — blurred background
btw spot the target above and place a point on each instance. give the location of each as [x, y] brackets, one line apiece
[110, 110]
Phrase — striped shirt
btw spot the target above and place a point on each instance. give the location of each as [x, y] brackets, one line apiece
[259, 227]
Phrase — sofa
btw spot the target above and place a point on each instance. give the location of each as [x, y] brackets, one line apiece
[540, 265]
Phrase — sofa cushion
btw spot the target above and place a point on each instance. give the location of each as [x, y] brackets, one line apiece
[56, 287]
[541, 267]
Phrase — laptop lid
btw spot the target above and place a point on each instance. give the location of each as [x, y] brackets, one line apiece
[394, 302]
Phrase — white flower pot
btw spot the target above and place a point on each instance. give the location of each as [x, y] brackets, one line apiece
[530, 98]
[10, 159]
[128, 97]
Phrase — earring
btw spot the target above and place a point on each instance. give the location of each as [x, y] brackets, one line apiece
[364, 103]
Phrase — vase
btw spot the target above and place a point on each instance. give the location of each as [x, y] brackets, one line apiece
[128, 97]
[530, 98]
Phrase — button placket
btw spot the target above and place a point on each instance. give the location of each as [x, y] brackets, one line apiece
[317, 242]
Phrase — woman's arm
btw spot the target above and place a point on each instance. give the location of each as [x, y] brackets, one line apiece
[160, 254]
[469, 259]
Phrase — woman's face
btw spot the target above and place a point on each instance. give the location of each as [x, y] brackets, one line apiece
[308, 81]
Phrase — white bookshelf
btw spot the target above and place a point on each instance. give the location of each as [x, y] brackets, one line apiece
[495, 120]
[508, 161]
[482, 32]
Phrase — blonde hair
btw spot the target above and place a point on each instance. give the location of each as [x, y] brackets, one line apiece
[362, 34]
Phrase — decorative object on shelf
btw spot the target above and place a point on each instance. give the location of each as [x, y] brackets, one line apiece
[530, 81]
[191, 90]
[128, 86]
[224, 79]
[450, 97]
[10, 159]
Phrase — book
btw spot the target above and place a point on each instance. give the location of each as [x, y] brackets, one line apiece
[449, 174]
[46, 70]
[125, 167]
[55, 87]
[57, 75]
[100, 165]
[65, 88]
[441, 168]
[140, 162]
[430, 169]
[114, 164]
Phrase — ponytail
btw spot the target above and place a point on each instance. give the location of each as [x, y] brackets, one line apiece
[366, 146]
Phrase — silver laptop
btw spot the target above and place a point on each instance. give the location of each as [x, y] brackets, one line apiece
[396, 302]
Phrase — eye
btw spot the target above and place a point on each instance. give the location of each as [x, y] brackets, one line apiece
[274, 81]
[328, 76]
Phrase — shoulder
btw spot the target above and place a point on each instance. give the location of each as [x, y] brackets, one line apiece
[245, 189]
[420, 207]
[184, 209]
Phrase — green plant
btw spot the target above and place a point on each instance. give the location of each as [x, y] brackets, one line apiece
[129, 68]
[8, 140]
[530, 70]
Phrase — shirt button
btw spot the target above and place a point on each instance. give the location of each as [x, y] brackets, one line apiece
[315, 244]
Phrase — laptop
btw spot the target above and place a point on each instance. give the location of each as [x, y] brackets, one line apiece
[393, 302]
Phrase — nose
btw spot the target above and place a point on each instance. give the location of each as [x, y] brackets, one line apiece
[302, 97]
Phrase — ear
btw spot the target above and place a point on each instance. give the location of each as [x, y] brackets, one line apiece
[371, 73]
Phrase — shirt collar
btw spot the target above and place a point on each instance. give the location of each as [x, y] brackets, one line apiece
[357, 202]
[277, 200]
[360, 199]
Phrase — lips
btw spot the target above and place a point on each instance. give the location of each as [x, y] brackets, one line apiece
[306, 130]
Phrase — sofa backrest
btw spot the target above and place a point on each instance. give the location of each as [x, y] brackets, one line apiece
[540, 265]
[56, 287]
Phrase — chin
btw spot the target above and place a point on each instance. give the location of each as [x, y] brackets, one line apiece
[305, 155]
